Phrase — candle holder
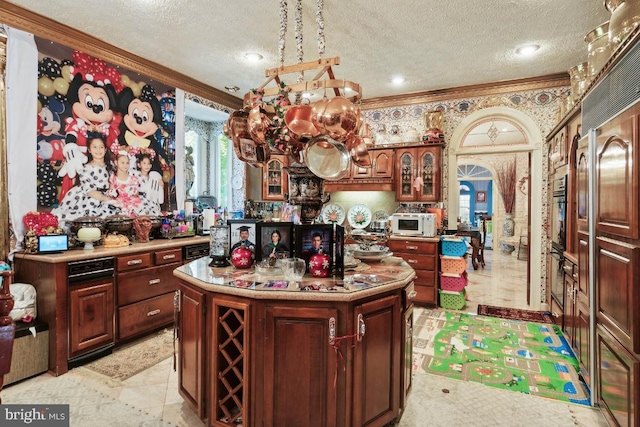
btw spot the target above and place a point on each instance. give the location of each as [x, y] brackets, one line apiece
[219, 245]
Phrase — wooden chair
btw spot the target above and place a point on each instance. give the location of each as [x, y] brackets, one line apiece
[7, 327]
[483, 240]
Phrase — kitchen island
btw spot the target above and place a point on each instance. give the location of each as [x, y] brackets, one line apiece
[319, 352]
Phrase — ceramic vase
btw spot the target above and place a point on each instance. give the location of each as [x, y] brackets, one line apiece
[508, 227]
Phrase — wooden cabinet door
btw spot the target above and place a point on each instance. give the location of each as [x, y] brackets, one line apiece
[428, 163]
[382, 163]
[274, 179]
[617, 292]
[407, 357]
[376, 391]
[618, 377]
[569, 303]
[582, 186]
[90, 317]
[191, 327]
[617, 176]
[405, 174]
[299, 376]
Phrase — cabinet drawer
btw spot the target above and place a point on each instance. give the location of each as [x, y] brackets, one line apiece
[411, 246]
[132, 262]
[419, 262]
[149, 282]
[426, 295]
[168, 256]
[426, 278]
[408, 295]
[145, 315]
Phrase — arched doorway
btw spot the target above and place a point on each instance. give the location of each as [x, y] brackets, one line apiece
[488, 138]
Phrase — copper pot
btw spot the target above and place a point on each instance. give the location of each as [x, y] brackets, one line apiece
[340, 117]
[298, 119]
[258, 124]
[359, 152]
[246, 149]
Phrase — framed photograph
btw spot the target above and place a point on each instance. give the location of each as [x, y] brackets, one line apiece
[242, 232]
[313, 238]
[481, 196]
[274, 240]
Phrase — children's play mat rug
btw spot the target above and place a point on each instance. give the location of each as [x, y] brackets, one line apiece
[527, 357]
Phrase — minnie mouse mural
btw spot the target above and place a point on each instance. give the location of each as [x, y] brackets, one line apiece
[92, 95]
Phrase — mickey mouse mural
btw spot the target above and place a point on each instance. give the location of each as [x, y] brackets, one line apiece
[141, 119]
[79, 100]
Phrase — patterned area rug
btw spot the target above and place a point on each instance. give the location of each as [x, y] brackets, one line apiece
[515, 314]
[526, 357]
[87, 407]
[128, 360]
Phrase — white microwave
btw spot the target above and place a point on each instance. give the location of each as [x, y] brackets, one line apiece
[414, 224]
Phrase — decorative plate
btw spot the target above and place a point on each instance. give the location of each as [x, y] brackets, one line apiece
[333, 213]
[359, 216]
[376, 257]
[380, 215]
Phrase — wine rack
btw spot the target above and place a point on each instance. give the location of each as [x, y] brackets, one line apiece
[230, 382]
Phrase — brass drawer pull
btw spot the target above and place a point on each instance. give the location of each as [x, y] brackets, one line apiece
[412, 261]
[411, 247]
[154, 281]
[412, 294]
[153, 312]
[171, 256]
[134, 262]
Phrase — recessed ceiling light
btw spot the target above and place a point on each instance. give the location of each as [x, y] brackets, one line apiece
[232, 89]
[527, 50]
[253, 57]
[397, 80]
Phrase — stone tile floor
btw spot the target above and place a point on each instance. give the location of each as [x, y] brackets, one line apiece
[434, 400]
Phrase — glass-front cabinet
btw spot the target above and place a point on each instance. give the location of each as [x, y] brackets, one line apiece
[274, 179]
[419, 173]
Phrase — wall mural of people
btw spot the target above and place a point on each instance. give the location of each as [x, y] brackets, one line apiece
[83, 101]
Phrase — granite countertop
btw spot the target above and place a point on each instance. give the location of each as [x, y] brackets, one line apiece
[78, 254]
[371, 279]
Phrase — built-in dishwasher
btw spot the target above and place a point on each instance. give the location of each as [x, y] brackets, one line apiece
[91, 309]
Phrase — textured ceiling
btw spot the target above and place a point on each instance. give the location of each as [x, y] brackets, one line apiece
[433, 44]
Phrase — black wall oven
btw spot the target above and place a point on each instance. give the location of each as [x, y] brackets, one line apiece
[558, 237]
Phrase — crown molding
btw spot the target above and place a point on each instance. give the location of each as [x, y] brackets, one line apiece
[41, 26]
[462, 92]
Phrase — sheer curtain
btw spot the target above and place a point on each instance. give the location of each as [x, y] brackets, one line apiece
[22, 110]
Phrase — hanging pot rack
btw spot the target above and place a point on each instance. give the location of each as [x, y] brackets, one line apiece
[323, 64]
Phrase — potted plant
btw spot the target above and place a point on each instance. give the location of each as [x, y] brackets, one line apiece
[507, 181]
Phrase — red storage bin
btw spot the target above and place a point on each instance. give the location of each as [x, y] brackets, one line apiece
[453, 282]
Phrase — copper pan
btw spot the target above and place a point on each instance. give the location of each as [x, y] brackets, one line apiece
[298, 120]
[327, 158]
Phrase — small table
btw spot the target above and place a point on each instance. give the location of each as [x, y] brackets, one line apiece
[477, 257]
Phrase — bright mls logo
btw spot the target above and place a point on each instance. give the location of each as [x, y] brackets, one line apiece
[34, 415]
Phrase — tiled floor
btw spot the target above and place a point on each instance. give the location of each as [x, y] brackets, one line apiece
[434, 400]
